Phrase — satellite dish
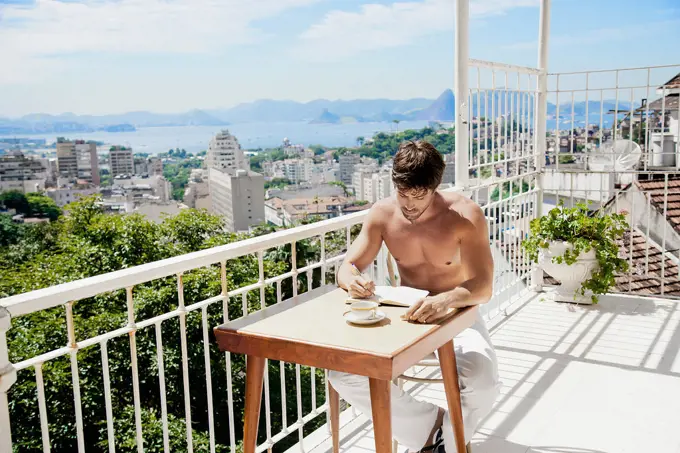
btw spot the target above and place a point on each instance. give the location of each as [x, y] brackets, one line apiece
[620, 155]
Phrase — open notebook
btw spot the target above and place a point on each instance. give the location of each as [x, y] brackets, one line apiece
[401, 296]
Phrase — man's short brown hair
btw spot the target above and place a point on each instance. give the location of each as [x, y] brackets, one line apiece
[417, 166]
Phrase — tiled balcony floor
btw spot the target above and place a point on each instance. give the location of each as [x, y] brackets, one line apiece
[576, 379]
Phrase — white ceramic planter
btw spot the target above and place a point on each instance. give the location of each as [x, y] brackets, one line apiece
[571, 276]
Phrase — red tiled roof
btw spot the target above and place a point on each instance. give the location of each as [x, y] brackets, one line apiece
[654, 189]
[673, 83]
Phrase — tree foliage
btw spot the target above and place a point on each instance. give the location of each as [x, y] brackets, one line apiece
[384, 145]
[178, 174]
[31, 204]
[89, 242]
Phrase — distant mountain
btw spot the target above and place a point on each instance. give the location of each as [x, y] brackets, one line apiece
[442, 109]
[274, 111]
[327, 117]
[594, 107]
[42, 123]
[266, 110]
[12, 127]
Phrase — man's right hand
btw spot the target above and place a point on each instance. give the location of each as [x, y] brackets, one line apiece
[360, 287]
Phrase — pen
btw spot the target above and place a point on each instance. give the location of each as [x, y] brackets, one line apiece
[359, 273]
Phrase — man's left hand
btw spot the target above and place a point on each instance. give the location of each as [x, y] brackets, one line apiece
[428, 309]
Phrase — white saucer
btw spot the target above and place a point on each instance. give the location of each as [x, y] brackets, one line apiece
[351, 317]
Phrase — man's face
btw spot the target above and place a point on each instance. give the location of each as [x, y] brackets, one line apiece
[414, 202]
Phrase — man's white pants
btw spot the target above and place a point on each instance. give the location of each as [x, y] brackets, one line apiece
[413, 420]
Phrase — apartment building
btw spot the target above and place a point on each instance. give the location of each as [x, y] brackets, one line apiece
[78, 160]
[121, 161]
[239, 197]
[347, 164]
[298, 170]
[197, 193]
[19, 172]
[148, 166]
[225, 154]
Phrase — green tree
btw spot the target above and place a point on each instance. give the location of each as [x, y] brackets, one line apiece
[341, 184]
[88, 242]
[178, 175]
[14, 199]
[506, 190]
[317, 149]
[10, 232]
[40, 205]
[567, 159]
[31, 205]
[277, 183]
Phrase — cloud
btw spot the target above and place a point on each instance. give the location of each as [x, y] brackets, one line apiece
[341, 34]
[31, 33]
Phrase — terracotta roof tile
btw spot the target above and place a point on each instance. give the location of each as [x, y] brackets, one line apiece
[654, 191]
[673, 83]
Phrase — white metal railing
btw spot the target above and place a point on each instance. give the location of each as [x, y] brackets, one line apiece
[652, 244]
[502, 167]
[603, 134]
[69, 294]
[502, 152]
[593, 110]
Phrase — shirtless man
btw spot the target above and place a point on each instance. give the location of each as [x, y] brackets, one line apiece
[440, 242]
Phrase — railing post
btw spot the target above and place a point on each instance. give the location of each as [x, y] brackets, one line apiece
[541, 118]
[8, 376]
[461, 94]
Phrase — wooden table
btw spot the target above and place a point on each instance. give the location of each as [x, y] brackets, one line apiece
[310, 330]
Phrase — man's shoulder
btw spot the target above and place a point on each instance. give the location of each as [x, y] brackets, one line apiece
[460, 205]
[382, 210]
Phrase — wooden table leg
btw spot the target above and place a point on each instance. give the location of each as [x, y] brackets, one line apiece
[447, 360]
[254, 380]
[381, 407]
[334, 402]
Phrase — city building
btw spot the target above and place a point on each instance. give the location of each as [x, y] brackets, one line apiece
[65, 195]
[18, 172]
[197, 193]
[138, 187]
[78, 160]
[148, 166]
[372, 187]
[158, 211]
[239, 197]
[285, 213]
[292, 150]
[361, 173]
[347, 163]
[225, 153]
[121, 161]
[298, 170]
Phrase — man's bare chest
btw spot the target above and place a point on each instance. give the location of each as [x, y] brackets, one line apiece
[413, 247]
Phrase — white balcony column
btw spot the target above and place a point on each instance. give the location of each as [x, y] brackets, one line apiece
[462, 145]
[541, 118]
[8, 376]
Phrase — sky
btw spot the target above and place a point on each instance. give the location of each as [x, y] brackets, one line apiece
[114, 56]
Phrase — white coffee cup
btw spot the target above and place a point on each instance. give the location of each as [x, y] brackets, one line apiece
[364, 309]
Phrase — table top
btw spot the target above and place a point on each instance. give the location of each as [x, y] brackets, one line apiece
[310, 330]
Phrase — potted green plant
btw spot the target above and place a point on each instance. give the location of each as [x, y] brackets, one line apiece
[579, 249]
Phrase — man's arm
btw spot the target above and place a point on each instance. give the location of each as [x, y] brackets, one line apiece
[477, 263]
[475, 255]
[361, 253]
